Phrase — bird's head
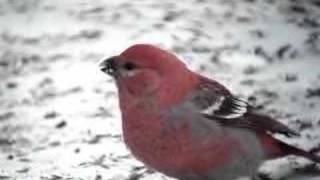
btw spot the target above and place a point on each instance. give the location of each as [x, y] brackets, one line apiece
[143, 70]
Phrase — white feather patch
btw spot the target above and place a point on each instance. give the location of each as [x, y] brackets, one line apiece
[237, 109]
[129, 73]
[211, 109]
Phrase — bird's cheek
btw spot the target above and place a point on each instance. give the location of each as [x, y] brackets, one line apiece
[143, 84]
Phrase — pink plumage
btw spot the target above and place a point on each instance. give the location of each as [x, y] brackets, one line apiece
[188, 126]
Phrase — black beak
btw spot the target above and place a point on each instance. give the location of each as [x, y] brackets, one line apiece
[109, 66]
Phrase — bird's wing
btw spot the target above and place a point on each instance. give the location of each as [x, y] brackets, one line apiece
[215, 102]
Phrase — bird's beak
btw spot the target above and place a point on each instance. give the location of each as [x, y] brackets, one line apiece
[109, 66]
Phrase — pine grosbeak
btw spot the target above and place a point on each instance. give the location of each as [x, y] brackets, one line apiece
[188, 126]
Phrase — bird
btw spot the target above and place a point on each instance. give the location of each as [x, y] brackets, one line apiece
[188, 126]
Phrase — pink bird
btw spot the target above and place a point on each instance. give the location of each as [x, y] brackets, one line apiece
[188, 126]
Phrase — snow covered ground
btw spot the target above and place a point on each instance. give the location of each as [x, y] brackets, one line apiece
[59, 116]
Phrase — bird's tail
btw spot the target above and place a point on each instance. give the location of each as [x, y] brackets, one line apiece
[291, 150]
[277, 148]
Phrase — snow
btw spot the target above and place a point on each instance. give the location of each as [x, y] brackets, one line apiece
[59, 116]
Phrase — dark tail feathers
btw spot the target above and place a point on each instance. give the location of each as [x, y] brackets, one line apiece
[291, 150]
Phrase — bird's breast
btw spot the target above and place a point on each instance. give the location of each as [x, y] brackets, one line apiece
[174, 148]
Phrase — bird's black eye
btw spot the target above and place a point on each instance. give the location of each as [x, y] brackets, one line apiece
[129, 66]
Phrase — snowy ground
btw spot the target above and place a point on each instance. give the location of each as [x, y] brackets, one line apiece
[59, 116]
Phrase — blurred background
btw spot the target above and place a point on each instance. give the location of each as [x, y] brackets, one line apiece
[59, 116]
